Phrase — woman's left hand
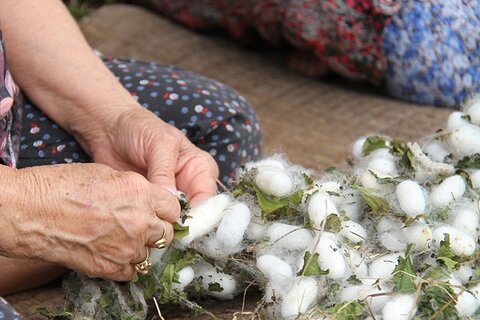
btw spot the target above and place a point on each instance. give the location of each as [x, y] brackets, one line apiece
[139, 141]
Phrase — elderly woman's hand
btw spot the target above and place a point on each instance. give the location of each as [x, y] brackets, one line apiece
[87, 217]
[139, 141]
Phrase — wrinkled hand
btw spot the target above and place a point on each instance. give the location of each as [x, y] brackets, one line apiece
[91, 218]
[141, 142]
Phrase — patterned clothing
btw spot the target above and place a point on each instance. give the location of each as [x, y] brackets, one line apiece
[344, 34]
[424, 51]
[433, 50]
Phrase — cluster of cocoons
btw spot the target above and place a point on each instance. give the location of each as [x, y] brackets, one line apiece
[312, 245]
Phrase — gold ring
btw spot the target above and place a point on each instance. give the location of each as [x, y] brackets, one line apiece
[145, 265]
[162, 243]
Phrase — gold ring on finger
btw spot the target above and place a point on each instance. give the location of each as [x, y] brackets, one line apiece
[144, 266]
[162, 242]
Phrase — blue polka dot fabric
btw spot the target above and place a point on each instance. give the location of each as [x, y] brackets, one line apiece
[433, 51]
[211, 114]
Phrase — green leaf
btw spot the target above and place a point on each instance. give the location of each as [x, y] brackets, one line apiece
[269, 204]
[354, 280]
[469, 162]
[348, 310]
[376, 203]
[373, 143]
[445, 254]
[386, 180]
[437, 301]
[55, 314]
[308, 180]
[404, 274]
[179, 231]
[333, 223]
[310, 266]
[215, 287]
[436, 273]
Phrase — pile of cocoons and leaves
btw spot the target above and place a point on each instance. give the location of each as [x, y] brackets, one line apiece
[393, 236]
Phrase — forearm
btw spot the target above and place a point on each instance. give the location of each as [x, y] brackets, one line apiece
[53, 64]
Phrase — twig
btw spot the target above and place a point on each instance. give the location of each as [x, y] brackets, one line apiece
[223, 187]
[158, 309]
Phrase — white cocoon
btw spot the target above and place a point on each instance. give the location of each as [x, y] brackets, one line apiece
[436, 150]
[383, 167]
[205, 217]
[382, 267]
[368, 180]
[388, 223]
[319, 207]
[330, 257]
[231, 229]
[357, 148]
[356, 261]
[419, 234]
[461, 244]
[210, 276]
[300, 297]
[352, 203]
[463, 140]
[467, 304]
[465, 217]
[400, 307]
[275, 269]
[475, 178]
[269, 162]
[288, 236]
[463, 274]
[353, 231]
[331, 186]
[411, 198]
[393, 240]
[274, 181]
[449, 190]
[456, 119]
[473, 110]
[185, 277]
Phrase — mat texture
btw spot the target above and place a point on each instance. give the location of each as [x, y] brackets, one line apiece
[313, 122]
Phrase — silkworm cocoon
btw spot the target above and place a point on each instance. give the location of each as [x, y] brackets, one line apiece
[269, 162]
[256, 230]
[212, 278]
[357, 148]
[400, 307]
[368, 180]
[393, 240]
[383, 167]
[353, 231]
[436, 150]
[449, 190]
[319, 207]
[231, 229]
[383, 266]
[475, 178]
[473, 110]
[205, 217]
[419, 234]
[289, 237]
[274, 268]
[475, 290]
[300, 297]
[465, 218]
[213, 248]
[461, 244]
[354, 292]
[456, 119]
[331, 258]
[411, 198]
[377, 298]
[381, 153]
[463, 140]
[274, 181]
[185, 277]
[467, 304]
[463, 274]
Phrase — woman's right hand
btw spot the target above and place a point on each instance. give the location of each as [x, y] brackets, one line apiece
[89, 218]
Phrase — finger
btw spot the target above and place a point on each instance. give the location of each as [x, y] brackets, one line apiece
[127, 273]
[165, 205]
[202, 187]
[161, 230]
[162, 161]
